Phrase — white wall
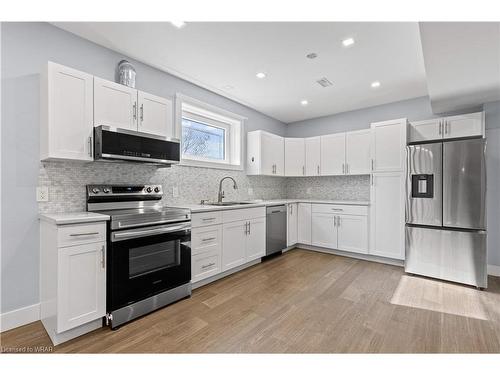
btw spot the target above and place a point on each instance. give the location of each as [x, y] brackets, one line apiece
[26, 48]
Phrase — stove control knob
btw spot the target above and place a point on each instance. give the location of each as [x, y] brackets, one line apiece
[157, 189]
[148, 189]
[106, 190]
[95, 190]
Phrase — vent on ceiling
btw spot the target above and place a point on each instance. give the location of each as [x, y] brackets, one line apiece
[324, 82]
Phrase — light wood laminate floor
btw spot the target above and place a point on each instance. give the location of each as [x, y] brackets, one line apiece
[305, 302]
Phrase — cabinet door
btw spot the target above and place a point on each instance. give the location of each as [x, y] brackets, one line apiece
[204, 265]
[358, 152]
[464, 126]
[388, 145]
[81, 285]
[353, 233]
[114, 105]
[333, 154]
[67, 114]
[272, 154]
[313, 156]
[323, 231]
[256, 239]
[304, 223]
[156, 115]
[425, 130]
[387, 219]
[294, 157]
[233, 244]
[292, 216]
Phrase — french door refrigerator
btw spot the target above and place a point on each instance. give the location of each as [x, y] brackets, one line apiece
[446, 211]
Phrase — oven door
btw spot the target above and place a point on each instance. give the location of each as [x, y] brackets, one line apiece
[146, 261]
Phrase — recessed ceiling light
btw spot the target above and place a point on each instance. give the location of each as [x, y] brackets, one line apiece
[261, 75]
[348, 42]
[178, 24]
[312, 55]
[304, 102]
[375, 84]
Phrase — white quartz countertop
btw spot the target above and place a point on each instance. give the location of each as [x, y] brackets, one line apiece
[262, 203]
[73, 217]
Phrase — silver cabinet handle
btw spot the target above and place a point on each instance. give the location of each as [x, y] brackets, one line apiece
[343, 168]
[208, 239]
[335, 221]
[208, 219]
[303, 170]
[249, 228]
[142, 112]
[90, 146]
[83, 234]
[337, 209]
[246, 228]
[134, 110]
[207, 265]
[347, 168]
[440, 128]
[446, 127]
[103, 257]
[338, 221]
[318, 169]
[372, 165]
[291, 209]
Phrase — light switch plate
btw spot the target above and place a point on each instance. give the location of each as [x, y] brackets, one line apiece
[250, 191]
[175, 191]
[42, 194]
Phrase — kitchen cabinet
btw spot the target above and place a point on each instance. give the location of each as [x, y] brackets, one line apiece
[295, 155]
[155, 115]
[234, 244]
[124, 107]
[292, 224]
[388, 145]
[340, 227]
[72, 278]
[333, 154]
[357, 152]
[304, 223]
[256, 239]
[468, 125]
[265, 154]
[313, 156]
[66, 113]
[206, 251]
[387, 218]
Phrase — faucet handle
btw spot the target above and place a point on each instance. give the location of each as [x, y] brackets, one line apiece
[204, 201]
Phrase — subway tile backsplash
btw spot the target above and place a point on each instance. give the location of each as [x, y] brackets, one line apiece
[66, 181]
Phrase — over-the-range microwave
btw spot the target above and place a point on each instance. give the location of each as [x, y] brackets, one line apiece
[116, 144]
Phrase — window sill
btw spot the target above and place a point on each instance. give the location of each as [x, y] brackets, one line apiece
[207, 164]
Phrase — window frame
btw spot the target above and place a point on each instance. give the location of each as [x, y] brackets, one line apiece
[202, 112]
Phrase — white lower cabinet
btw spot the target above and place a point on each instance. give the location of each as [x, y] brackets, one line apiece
[205, 264]
[324, 232]
[292, 221]
[256, 239]
[72, 279]
[206, 252]
[234, 244]
[352, 233]
[304, 223]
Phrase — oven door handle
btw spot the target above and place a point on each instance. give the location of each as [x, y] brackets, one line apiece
[120, 236]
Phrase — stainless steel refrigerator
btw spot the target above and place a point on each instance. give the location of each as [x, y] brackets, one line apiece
[446, 211]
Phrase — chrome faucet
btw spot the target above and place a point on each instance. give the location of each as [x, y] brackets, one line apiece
[221, 192]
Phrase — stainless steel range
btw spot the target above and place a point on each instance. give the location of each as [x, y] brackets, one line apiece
[149, 249]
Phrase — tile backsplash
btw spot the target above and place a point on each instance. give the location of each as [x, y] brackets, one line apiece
[66, 182]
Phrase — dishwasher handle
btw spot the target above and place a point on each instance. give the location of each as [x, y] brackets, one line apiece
[275, 209]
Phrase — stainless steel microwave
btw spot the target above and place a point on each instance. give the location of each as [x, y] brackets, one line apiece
[127, 145]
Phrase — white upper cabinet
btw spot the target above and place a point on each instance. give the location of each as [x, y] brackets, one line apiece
[114, 105]
[388, 145]
[333, 154]
[66, 109]
[265, 154]
[469, 125]
[313, 156]
[294, 157]
[461, 126]
[425, 130]
[358, 152]
[155, 115]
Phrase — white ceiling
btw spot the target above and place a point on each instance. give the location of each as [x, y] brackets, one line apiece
[462, 63]
[218, 55]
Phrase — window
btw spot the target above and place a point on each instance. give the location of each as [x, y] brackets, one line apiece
[210, 136]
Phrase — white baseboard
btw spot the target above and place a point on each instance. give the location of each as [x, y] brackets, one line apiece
[19, 317]
[493, 270]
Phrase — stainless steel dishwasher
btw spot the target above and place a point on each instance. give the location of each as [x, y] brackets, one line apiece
[275, 228]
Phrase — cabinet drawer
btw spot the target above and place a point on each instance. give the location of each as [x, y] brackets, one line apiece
[202, 219]
[206, 239]
[77, 234]
[205, 265]
[340, 209]
[243, 214]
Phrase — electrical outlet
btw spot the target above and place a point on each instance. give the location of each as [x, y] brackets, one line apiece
[308, 191]
[175, 191]
[42, 194]
[250, 191]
